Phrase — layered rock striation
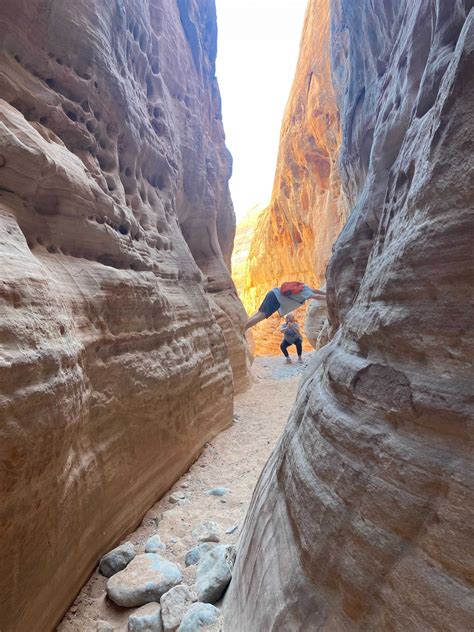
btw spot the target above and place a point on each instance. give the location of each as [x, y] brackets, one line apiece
[363, 516]
[120, 328]
[294, 235]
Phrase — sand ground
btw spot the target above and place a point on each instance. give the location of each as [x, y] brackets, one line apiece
[234, 459]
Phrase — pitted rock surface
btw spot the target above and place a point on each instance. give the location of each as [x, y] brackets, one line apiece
[120, 328]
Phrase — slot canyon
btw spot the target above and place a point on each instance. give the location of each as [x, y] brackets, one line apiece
[131, 402]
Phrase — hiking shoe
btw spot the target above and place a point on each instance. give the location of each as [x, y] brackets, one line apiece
[288, 361]
[300, 359]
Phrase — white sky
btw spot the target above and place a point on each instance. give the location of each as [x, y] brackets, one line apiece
[256, 60]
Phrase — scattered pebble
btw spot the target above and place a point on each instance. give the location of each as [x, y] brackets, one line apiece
[232, 529]
[117, 559]
[174, 605]
[104, 626]
[146, 579]
[154, 544]
[217, 491]
[223, 500]
[199, 616]
[214, 573]
[185, 485]
[207, 532]
[176, 497]
[146, 619]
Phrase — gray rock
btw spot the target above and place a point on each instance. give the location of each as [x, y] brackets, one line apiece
[146, 619]
[176, 497]
[217, 491]
[174, 604]
[214, 573]
[154, 544]
[117, 559]
[145, 579]
[207, 532]
[104, 626]
[199, 616]
[194, 555]
[232, 529]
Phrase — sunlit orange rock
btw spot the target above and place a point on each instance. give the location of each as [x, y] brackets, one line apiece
[293, 237]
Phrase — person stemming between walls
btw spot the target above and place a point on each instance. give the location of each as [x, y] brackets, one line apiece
[292, 336]
[284, 301]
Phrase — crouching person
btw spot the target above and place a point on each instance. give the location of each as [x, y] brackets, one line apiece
[291, 336]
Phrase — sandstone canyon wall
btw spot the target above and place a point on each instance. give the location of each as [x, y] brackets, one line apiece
[294, 235]
[363, 518]
[120, 328]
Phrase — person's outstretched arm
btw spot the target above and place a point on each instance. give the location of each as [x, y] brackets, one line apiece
[318, 294]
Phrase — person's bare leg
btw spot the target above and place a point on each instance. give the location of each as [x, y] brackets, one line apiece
[254, 319]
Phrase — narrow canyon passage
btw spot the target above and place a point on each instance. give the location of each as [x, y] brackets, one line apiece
[136, 437]
[234, 460]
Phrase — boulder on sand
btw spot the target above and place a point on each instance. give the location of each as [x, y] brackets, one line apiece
[199, 616]
[194, 555]
[117, 559]
[214, 573]
[174, 604]
[146, 619]
[145, 579]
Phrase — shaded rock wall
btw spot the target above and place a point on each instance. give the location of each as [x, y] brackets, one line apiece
[120, 329]
[363, 516]
[294, 235]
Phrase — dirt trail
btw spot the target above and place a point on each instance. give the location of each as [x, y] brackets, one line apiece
[234, 460]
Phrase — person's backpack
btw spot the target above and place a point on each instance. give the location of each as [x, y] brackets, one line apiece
[291, 287]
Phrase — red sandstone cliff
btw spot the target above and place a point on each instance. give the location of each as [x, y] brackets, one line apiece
[363, 516]
[294, 235]
[120, 329]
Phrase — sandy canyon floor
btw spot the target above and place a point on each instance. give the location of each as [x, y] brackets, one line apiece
[234, 459]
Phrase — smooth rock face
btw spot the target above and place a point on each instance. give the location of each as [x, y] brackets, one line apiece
[174, 605]
[292, 238]
[145, 579]
[214, 573]
[363, 517]
[120, 330]
[117, 559]
[194, 555]
[146, 619]
[198, 617]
